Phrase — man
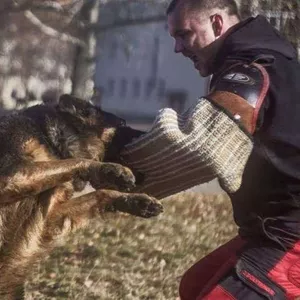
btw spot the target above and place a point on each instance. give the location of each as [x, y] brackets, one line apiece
[264, 261]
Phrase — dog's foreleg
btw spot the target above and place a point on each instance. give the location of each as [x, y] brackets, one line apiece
[32, 179]
[68, 216]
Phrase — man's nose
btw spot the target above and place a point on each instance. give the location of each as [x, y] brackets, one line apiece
[178, 46]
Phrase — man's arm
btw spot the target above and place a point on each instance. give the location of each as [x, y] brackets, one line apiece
[211, 139]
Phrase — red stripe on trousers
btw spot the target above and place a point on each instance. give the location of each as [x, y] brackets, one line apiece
[202, 277]
[258, 282]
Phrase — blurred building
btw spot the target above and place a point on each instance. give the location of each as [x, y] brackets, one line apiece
[138, 73]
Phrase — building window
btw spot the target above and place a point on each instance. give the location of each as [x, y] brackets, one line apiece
[123, 88]
[111, 87]
[113, 50]
[150, 86]
[177, 100]
[136, 88]
[161, 89]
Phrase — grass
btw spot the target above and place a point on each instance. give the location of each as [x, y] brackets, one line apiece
[123, 257]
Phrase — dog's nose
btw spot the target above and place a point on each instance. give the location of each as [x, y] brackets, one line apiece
[122, 123]
[113, 120]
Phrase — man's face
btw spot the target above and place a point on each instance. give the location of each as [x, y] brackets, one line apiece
[193, 37]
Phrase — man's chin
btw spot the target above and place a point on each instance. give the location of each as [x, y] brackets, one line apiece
[203, 72]
[200, 68]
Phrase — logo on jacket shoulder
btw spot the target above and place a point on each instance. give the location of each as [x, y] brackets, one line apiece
[238, 77]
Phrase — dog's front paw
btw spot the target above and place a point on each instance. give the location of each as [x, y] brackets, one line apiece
[111, 175]
[140, 205]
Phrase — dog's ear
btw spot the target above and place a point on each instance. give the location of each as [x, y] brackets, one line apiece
[75, 106]
[67, 104]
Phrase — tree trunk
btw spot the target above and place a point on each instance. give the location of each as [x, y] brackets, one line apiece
[38, 50]
[85, 63]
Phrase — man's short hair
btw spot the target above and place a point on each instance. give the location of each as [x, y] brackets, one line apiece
[195, 5]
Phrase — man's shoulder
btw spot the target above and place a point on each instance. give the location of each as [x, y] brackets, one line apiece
[243, 78]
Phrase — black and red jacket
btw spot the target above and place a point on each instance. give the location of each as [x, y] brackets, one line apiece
[270, 188]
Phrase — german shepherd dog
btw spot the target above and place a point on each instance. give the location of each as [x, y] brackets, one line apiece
[46, 154]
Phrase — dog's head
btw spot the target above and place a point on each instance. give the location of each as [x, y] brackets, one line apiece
[91, 132]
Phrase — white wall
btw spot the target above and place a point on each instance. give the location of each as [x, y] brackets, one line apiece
[143, 53]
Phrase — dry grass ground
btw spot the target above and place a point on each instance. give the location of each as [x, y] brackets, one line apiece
[122, 257]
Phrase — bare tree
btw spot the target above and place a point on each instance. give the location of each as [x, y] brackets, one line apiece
[39, 45]
[84, 66]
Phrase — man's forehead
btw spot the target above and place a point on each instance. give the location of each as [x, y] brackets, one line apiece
[178, 19]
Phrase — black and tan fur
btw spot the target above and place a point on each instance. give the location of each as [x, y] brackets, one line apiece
[47, 153]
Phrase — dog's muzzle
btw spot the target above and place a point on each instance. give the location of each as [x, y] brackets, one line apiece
[123, 136]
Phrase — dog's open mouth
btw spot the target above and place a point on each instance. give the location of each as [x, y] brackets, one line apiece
[122, 136]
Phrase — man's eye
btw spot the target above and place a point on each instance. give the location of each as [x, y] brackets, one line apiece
[185, 35]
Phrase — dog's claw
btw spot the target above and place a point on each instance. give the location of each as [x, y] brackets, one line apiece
[140, 205]
[114, 175]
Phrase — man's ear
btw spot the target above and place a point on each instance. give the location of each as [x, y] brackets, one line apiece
[66, 104]
[217, 24]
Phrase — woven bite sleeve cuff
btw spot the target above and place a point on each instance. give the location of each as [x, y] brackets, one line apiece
[182, 151]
